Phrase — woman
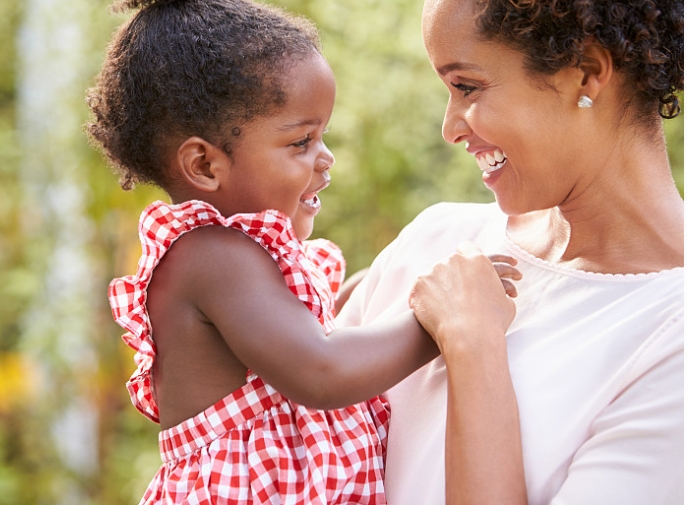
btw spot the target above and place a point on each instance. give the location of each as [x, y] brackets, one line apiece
[560, 102]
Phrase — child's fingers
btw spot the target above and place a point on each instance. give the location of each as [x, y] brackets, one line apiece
[509, 287]
[507, 271]
[502, 258]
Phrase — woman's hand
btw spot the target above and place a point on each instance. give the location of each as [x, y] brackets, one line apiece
[466, 295]
[466, 304]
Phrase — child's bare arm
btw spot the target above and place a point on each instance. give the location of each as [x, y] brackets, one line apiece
[238, 288]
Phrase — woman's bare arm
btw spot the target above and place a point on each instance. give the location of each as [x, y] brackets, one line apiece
[463, 304]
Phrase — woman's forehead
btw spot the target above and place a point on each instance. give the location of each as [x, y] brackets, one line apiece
[442, 19]
[449, 29]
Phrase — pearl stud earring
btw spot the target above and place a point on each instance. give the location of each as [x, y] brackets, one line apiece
[584, 102]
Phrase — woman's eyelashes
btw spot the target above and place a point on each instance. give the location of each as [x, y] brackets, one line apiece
[464, 88]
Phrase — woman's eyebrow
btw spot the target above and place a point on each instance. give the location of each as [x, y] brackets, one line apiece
[450, 67]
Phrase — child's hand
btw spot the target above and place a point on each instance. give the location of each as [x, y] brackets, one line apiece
[466, 296]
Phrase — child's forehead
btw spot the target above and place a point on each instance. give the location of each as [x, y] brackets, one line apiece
[310, 90]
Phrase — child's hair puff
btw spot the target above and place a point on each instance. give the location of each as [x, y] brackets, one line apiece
[180, 68]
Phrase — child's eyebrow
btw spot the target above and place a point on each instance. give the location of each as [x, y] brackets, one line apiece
[305, 122]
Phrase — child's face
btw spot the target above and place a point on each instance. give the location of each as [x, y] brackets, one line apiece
[280, 162]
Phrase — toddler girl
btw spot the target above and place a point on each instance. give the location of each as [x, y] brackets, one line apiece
[223, 104]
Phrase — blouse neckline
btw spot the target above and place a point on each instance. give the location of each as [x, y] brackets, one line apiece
[524, 255]
[520, 253]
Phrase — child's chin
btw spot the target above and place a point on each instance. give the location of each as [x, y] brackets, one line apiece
[303, 231]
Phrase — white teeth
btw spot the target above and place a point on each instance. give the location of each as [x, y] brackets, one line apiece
[489, 162]
[312, 201]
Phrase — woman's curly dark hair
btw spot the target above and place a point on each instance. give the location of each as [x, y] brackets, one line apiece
[644, 37]
[180, 68]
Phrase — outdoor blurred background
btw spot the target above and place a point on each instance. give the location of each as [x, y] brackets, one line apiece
[68, 433]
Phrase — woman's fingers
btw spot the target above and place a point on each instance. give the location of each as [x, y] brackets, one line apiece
[506, 271]
[466, 290]
[505, 268]
[502, 258]
[509, 287]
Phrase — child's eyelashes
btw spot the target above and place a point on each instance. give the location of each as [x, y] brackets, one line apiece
[464, 88]
[303, 143]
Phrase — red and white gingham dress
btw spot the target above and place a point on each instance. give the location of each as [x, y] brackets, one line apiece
[253, 446]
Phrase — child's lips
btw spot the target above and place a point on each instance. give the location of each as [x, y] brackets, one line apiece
[311, 198]
[312, 202]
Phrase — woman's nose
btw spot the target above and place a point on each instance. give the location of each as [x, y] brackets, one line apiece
[455, 129]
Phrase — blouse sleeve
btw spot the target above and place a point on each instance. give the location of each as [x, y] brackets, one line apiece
[634, 454]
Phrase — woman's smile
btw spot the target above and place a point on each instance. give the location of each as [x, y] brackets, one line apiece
[489, 162]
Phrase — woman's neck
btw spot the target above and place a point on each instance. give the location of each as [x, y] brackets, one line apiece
[629, 221]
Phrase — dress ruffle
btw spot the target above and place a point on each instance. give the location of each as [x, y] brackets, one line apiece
[312, 270]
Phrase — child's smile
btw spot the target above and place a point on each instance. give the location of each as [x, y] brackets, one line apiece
[311, 200]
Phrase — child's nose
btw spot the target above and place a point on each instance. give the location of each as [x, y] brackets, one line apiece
[326, 160]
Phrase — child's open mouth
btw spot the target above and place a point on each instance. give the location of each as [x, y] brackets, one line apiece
[311, 201]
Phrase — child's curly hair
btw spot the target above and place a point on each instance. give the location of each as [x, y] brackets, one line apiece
[180, 68]
[644, 37]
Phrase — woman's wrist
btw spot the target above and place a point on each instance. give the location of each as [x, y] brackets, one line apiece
[462, 339]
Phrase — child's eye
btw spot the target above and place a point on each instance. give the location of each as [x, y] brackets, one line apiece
[464, 88]
[303, 143]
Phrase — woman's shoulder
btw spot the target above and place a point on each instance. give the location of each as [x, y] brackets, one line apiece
[455, 219]
[455, 211]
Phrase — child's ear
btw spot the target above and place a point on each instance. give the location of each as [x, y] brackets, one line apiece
[201, 163]
[597, 69]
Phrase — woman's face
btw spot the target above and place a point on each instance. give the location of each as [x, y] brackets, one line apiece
[524, 132]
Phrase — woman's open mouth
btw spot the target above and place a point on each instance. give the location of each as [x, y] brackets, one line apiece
[491, 162]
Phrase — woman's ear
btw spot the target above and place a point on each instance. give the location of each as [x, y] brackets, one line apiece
[201, 163]
[597, 69]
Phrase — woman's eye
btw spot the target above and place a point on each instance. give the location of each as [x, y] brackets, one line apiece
[464, 88]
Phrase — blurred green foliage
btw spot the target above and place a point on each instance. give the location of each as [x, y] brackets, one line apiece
[391, 163]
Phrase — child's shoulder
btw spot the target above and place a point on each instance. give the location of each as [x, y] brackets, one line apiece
[194, 243]
[162, 224]
[211, 246]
